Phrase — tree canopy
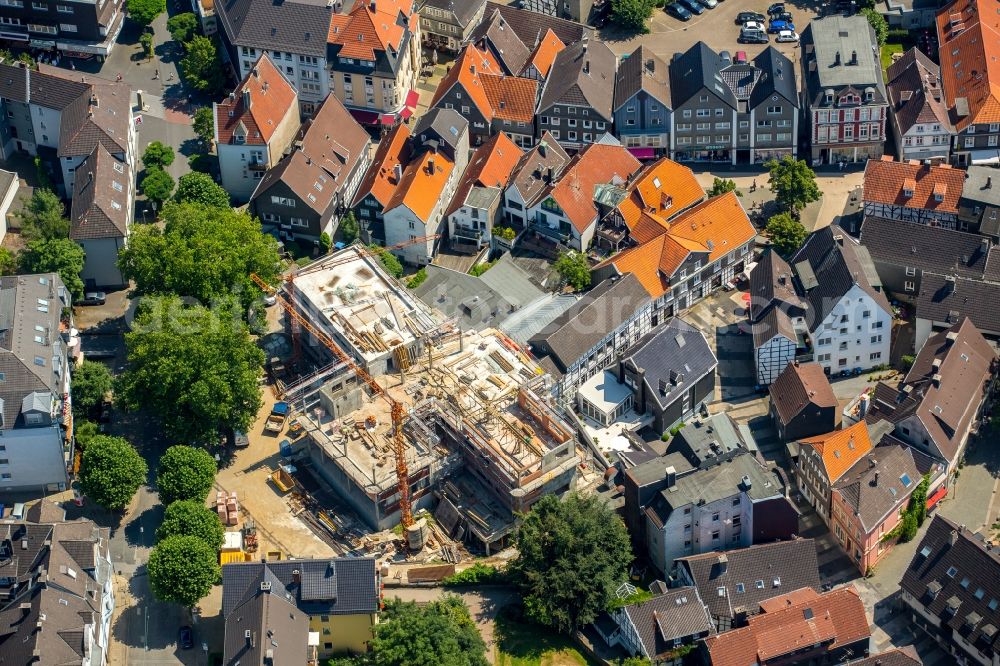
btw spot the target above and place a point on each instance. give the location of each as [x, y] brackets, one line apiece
[632, 14]
[8, 262]
[204, 124]
[144, 12]
[185, 473]
[878, 24]
[573, 554]
[182, 569]
[90, 382]
[573, 267]
[786, 233]
[204, 253]
[192, 518]
[182, 27]
[200, 188]
[111, 471]
[158, 154]
[157, 185]
[721, 186]
[201, 65]
[57, 255]
[793, 183]
[349, 227]
[44, 217]
[442, 633]
[197, 369]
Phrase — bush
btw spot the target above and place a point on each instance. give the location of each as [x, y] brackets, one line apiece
[907, 361]
[676, 429]
[324, 242]
[477, 574]
[417, 279]
[505, 233]
[479, 269]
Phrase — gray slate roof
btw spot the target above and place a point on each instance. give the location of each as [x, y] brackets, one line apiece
[463, 10]
[676, 614]
[778, 76]
[494, 32]
[696, 69]
[703, 443]
[582, 74]
[600, 311]
[793, 563]
[337, 586]
[676, 354]
[300, 26]
[845, 35]
[446, 123]
[935, 249]
[530, 176]
[642, 70]
[915, 92]
[530, 26]
[524, 324]
[949, 303]
[277, 628]
[93, 212]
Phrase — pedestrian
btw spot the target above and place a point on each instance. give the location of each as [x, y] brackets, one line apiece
[170, 76]
[118, 77]
[156, 75]
[72, 65]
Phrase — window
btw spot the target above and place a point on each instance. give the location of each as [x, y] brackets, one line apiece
[45, 29]
[909, 286]
[704, 113]
[741, 588]
[759, 584]
[715, 517]
[715, 535]
[951, 572]
[687, 113]
[979, 593]
[969, 141]
[719, 112]
[736, 501]
[965, 582]
[40, 6]
[774, 109]
[875, 356]
[877, 324]
[876, 339]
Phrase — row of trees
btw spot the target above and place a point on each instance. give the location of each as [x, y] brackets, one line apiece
[794, 186]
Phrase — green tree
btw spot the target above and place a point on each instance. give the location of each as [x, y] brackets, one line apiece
[8, 262]
[572, 266]
[146, 41]
[144, 12]
[202, 67]
[793, 183]
[200, 188]
[91, 382]
[442, 633]
[349, 227]
[157, 185]
[195, 368]
[786, 233]
[204, 125]
[721, 186]
[918, 500]
[44, 217]
[111, 471]
[192, 518]
[389, 261]
[632, 14]
[158, 155]
[417, 279]
[182, 569]
[324, 242]
[878, 24]
[185, 473]
[58, 255]
[182, 26]
[85, 432]
[204, 253]
[573, 554]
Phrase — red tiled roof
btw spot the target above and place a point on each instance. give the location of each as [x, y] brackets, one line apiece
[380, 180]
[470, 65]
[841, 449]
[969, 38]
[662, 190]
[886, 182]
[545, 53]
[836, 618]
[363, 31]
[511, 98]
[272, 98]
[491, 166]
[422, 184]
[596, 164]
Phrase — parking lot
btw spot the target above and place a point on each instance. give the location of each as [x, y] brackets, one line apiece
[716, 27]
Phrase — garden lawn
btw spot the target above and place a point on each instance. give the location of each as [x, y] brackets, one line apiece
[520, 644]
[886, 55]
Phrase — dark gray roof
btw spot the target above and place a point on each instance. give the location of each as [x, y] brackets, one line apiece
[941, 300]
[582, 74]
[965, 572]
[915, 93]
[101, 197]
[705, 443]
[767, 285]
[792, 563]
[775, 322]
[910, 244]
[101, 116]
[843, 35]
[530, 26]
[777, 77]
[277, 628]
[838, 262]
[678, 613]
[530, 176]
[495, 34]
[982, 185]
[337, 586]
[642, 70]
[448, 124]
[464, 10]
[600, 311]
[673, 357]
[697, 69]
[522, 325]
[25, 85]
[292, 25]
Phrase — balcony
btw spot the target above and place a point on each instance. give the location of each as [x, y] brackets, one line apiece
[256, 165]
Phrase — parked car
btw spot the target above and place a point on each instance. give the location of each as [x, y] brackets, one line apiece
[743, 17]
[93, 298]
[693, 6]
[185, 638]
[787, 36]
[752, 26]
[774, 27]
[711, 4]
[240, 439]
[776, 8]
[752, 37]
[677, 10]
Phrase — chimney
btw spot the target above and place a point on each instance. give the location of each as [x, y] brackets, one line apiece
[876, 477]
[989, 182]
[541, 149]
[953, 537]
[397, 172]
[746, 483]
[256, 73]
[93, 99]
[472, 69]
[586, 67]
[671, 476]
[854, 57]
[232, 96]
[266, 85]
[246, 100]
[936, 379]
[430, 166]
[839, 239]
[371, 6]
[549, 174]
[296, 577]
[836, 58]
[723, 562]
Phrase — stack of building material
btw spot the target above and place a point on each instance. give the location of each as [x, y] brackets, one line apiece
[227, 506]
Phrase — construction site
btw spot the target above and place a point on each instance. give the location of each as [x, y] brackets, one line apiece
[407, 412]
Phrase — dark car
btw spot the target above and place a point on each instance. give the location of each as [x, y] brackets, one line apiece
[186, 638]
[93, 298]
[776, 8]
[752, 38]
[776, 26]
[743, 17]
[693, 6]
[677, 11]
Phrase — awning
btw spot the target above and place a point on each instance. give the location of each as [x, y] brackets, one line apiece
[387, 118]
[14, 36]
[412, 98]
[937, 496]
[405, 113]
[643, 153]
[365, 117]
[984, 156]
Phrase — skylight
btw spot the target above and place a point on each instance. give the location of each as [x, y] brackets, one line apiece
[905, 478]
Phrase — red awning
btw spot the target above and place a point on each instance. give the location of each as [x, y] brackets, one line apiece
[937, 496]
[412, 98]
[643, 153]
[365, 117]
[387, 119]
[405, 113]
